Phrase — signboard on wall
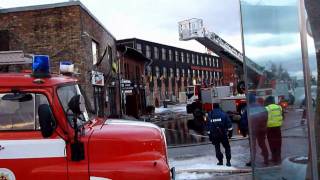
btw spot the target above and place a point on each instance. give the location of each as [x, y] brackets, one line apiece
[97, 78]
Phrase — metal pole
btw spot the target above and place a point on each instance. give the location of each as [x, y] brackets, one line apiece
[245, 70]
[119, 81]
[308, 98]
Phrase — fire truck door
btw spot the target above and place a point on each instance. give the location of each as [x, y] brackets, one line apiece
[24, 153]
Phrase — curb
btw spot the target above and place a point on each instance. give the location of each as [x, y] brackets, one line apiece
[232, 171]
[242, 176]
[203, 143]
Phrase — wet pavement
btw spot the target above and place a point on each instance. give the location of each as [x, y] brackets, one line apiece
[194, 158]
[179, 131]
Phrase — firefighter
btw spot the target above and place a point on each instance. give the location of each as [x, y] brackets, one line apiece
[274, 123]
[219, 129]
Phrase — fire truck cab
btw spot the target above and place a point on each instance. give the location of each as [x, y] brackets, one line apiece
[46, 132]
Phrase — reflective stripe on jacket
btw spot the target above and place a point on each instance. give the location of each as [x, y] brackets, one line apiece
[274, 115]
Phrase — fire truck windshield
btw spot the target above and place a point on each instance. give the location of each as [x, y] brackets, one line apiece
[65, 93]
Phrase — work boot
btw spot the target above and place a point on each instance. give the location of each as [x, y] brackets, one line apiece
[228, 163]
[248, 163]
[220, 163]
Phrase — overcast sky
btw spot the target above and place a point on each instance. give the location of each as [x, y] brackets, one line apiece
[158, 20]
[272, 36]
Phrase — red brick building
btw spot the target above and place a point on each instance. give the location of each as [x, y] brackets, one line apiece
[173, 69]
[132, 68]
[65, 31]
[229, 72]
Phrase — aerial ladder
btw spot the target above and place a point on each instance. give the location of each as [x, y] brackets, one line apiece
[194, 29]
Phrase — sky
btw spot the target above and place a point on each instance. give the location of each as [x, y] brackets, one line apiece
[271, 35]
[157, 21]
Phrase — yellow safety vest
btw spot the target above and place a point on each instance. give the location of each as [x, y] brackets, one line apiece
[274, 115]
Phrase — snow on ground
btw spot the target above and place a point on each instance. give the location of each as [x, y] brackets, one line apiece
[205, 158]
[199, 163]
[203, 163]
[178, 108]
[204, 167]
[193, 175]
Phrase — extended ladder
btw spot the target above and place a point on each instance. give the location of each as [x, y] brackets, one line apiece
[194, 29]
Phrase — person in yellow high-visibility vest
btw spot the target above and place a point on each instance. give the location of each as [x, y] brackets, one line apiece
[274, 123]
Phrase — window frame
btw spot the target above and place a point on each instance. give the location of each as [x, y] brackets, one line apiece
[35, 129]
[170, 54]
[182, 57]
[192, 58]
[88, 108]
[95, 54]
[163, 54]
[148, 51]
[188, 58]
[139, 47]
[157, 71]
[156, 52]
[176, 56]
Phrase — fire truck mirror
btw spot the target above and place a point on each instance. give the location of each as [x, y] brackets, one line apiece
[75, 104]
[46, 120]
[77, 151]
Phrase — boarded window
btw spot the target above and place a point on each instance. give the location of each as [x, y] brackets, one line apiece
[4, 39]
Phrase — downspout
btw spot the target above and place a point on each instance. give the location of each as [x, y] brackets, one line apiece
[119, 79]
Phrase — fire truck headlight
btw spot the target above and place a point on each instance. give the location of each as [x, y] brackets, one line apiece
[165, 143]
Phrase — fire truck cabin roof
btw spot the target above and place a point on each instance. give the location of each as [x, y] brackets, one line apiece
[26, 80]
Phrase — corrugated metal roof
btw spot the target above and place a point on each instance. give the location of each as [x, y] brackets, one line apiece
[14, 57]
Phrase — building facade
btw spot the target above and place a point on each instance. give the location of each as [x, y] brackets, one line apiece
[173, 69]
[132, 66]
[66, 32]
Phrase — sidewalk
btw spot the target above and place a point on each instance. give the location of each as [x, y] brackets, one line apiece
[244, 176]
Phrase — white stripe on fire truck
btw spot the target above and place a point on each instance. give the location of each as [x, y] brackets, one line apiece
[35, 148]
[98, 178]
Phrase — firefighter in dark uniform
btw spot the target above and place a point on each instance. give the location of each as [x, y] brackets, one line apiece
[219, 129]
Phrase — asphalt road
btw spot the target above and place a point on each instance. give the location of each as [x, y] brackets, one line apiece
[294, 143]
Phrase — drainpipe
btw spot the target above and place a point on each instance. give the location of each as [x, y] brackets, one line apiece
[119, 79]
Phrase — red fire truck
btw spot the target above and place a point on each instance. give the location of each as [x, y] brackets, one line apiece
[46, 132]
[203, 98]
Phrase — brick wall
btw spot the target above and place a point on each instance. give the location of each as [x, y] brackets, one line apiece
[63, 33]
[132, 67]
[51, 31]
[91, 30]
[228, 72]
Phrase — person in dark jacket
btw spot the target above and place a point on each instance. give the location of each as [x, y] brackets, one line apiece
[219, 129]
[258, 122]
